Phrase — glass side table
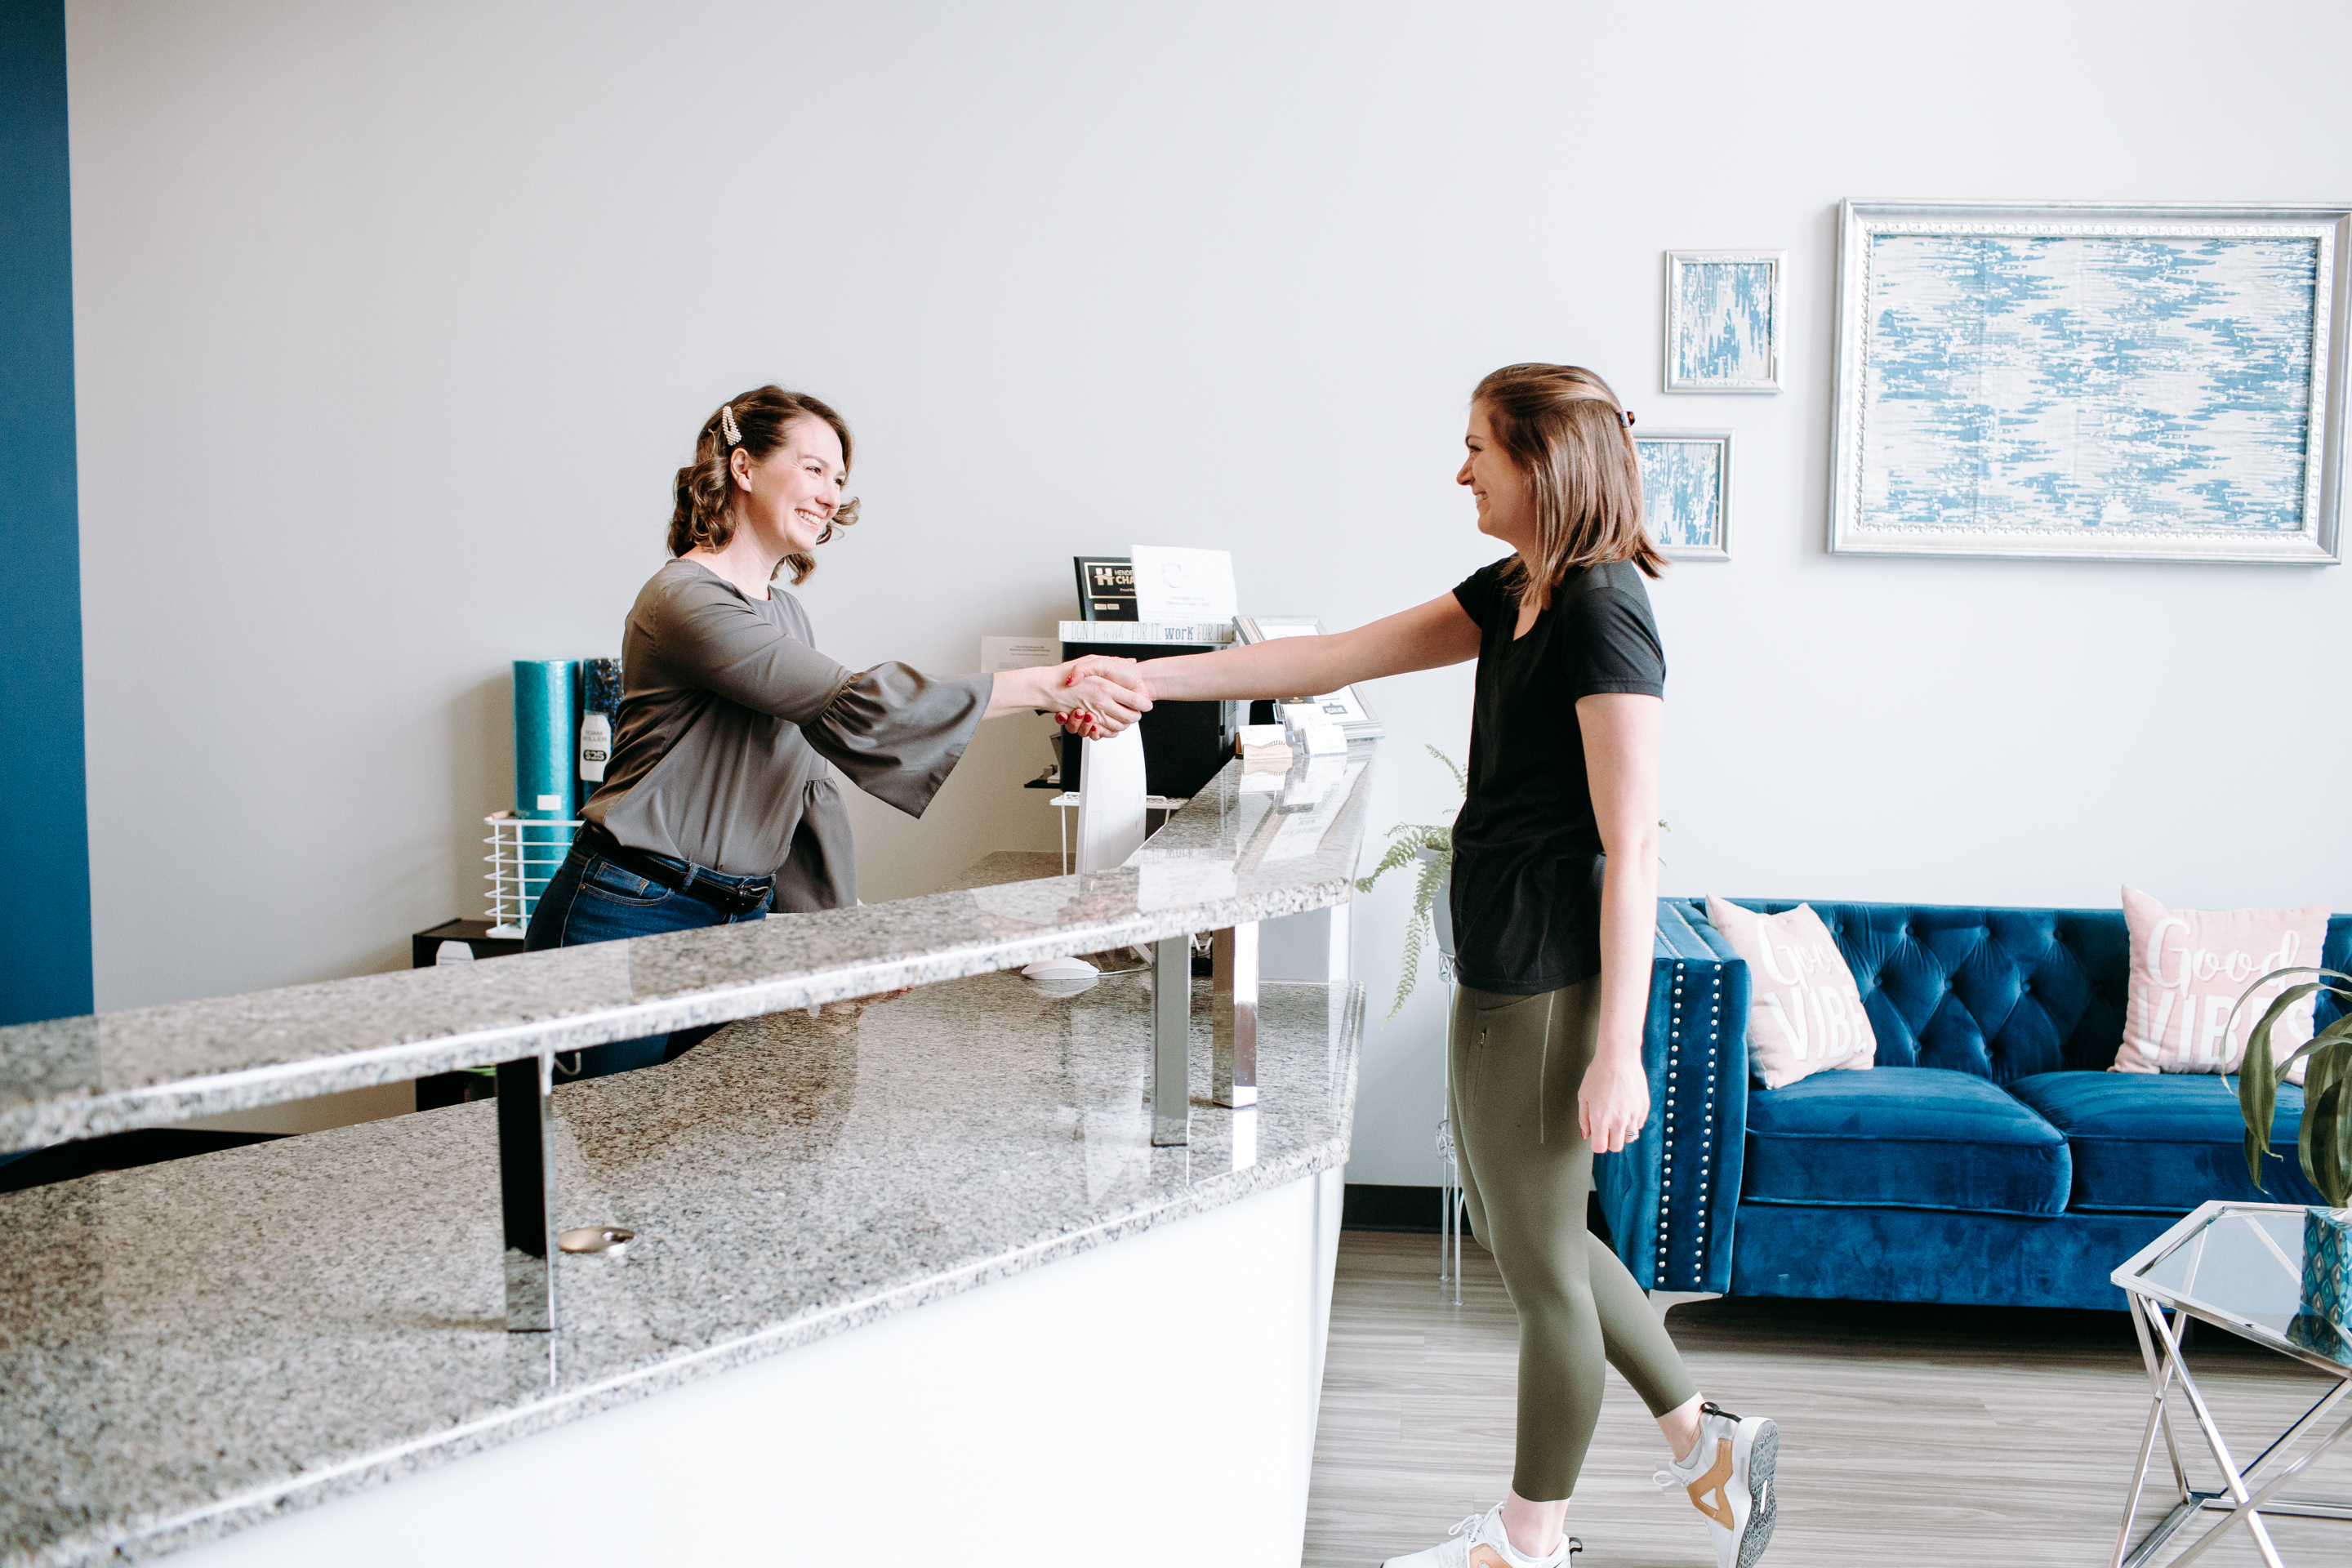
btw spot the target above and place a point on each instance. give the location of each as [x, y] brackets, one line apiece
[2238, 1267]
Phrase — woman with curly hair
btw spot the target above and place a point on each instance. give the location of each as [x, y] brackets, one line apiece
[722, 799]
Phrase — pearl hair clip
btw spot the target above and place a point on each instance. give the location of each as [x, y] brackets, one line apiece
[726, 424]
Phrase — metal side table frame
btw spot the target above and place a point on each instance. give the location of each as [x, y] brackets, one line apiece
[2226, 1264]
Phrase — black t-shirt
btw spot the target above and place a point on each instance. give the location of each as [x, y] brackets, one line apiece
[1527, 848]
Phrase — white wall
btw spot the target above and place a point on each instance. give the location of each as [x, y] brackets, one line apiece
[394, 319]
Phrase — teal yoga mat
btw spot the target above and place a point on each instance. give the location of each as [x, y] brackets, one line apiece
[545, 763]
[544, 785]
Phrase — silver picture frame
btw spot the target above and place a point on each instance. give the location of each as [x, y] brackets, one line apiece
[1727, 313]
[2089, 381]
[1686, 491]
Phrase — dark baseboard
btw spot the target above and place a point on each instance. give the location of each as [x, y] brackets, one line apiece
[1417, 1211]
[116, 1152]
[1370, 1205]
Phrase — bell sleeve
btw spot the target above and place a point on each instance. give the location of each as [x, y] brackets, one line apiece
[820, 868]
[895, 732]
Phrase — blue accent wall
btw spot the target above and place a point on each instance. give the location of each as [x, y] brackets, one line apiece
[45, 962]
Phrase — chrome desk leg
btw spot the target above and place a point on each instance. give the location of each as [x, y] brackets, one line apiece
[1172, 1030]
[1234, 990]
[527, 1191]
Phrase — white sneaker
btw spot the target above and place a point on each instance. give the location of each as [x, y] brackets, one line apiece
[1478, 1541]
[1730, 1480]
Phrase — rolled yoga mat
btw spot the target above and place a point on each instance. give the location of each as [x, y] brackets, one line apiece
[545, 789]
[600, 715]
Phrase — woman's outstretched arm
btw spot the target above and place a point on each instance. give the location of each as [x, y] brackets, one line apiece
[1423, 638]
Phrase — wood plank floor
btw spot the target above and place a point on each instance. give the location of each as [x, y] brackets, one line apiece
[1910, 1435]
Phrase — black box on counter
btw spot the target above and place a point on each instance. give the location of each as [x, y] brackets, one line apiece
[425, 947]
[1184, 743]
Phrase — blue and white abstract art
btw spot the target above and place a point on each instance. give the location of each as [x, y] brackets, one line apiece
[1722, 321]
[2123, 390]
[1687, 493]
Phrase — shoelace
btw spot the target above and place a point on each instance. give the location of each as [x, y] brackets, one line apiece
[1574, 1545]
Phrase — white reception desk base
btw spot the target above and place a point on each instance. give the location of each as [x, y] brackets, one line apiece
[1151, 1401]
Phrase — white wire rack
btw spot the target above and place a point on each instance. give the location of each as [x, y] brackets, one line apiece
[524, 854]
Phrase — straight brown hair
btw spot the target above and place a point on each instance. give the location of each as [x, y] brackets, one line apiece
[704, 490]
[1562, 427]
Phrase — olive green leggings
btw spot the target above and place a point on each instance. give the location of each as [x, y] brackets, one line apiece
[1516, 1063]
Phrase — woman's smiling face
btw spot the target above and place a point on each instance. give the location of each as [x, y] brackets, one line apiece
[1506, 500]
[793, 494]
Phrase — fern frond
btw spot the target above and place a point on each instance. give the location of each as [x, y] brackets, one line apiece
[1397, 854]
[1409, 841]
[1424, 891]
[1420, 836]
[1409, 976]
[1419, 925]
[1461, 780]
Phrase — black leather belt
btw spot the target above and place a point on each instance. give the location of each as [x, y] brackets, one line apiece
[735, 895]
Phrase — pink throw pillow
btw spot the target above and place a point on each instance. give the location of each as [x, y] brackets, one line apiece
[2189, 967]
[1807, 1013]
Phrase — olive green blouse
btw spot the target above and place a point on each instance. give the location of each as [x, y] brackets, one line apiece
[734, 734]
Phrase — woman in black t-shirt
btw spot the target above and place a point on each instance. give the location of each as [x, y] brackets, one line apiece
[1554, 904]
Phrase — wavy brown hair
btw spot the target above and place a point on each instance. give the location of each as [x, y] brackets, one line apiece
[704, 491]
[1562, 427]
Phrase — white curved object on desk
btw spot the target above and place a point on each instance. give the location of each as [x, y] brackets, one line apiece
[1110, 826]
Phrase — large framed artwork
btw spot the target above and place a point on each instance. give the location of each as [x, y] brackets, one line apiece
[2090, 382]
[1725, 310]
[1686, 491]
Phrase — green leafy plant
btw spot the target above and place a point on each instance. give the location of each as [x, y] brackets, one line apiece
[1432, 846]
[2325, 1143]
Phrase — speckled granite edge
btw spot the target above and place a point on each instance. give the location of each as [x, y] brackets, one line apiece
[1189, 839]
[160, 1105]
[148, 1540]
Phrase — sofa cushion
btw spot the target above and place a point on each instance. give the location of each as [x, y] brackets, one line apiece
[1904, 1138]
[1807, 1016]
[2151, 1144]
[2190, 1009]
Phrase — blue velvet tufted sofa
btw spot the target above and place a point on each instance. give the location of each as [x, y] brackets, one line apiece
[1987, 1158]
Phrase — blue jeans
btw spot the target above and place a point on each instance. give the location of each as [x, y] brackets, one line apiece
[590, 899]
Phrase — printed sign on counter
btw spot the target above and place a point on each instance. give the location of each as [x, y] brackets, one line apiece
[999, 654]
[1178, 584]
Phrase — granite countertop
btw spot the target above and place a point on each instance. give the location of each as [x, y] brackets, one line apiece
[188, 1348]
[1249, 847]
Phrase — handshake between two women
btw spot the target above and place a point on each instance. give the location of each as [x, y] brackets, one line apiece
[1096, 697]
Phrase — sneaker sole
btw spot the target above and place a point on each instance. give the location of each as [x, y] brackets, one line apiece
[1763, 1501]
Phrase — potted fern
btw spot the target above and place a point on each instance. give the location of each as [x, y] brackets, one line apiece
[2325, 1143]
[1432, 847]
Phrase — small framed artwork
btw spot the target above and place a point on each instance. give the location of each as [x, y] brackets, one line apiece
[2090, 382]
[1686, 491]
[1725, 310]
